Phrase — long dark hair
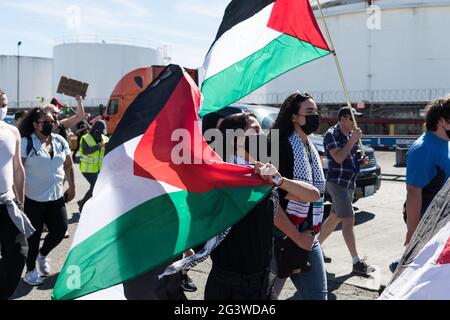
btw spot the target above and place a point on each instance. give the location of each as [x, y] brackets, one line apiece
[233, 122]
[26, 127]
[289, 107]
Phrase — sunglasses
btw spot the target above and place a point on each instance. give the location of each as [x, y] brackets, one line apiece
[301, 97]
[46, 122]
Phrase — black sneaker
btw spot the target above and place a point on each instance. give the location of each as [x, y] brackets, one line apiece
[393, 265]
[187, 284]
[326, 258]
[361, 267]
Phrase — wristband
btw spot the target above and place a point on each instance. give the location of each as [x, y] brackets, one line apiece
[278, 181]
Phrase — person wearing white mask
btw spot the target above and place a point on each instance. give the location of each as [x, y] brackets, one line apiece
[15, 227]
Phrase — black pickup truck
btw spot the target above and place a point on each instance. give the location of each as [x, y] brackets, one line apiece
[368, 180]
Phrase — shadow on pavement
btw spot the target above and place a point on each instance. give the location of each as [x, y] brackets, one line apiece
[49, 282]
[24, 288]
[335, 283]
[360, 218]
[75, 218]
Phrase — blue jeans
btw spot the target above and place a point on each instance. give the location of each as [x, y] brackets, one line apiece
[310, 285]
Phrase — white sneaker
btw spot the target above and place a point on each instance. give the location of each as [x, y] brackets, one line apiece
[33, 278]
[43, 265]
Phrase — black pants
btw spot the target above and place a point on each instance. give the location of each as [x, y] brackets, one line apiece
[14, 249]
[54, 215]
[149, 287]
[91, 178]
[224, 285]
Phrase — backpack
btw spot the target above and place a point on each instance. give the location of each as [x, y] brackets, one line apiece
[30, 145]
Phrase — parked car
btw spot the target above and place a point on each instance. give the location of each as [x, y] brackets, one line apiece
[10, 119]
[369, 179]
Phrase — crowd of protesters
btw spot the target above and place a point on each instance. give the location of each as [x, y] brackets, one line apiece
[279, 238]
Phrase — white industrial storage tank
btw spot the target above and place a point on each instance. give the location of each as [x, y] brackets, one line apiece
[100, 63]
[393, 51]
[35, 79]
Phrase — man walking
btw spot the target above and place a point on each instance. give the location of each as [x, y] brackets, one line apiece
[341, 148]
[428, 163]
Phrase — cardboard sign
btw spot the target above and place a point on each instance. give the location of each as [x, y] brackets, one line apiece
[72, 88]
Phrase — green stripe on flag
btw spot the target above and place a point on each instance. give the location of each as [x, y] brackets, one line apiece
[151, 234]
[277, 57]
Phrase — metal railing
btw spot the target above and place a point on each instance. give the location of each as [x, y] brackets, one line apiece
[321, 97]
[368, 96]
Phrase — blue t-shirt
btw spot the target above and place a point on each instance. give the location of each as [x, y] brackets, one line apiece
[425, 155]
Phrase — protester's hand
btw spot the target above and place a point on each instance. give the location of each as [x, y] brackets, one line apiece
[306, 240]
[364, 161]
[189, 253]
[70, 194]
[19, 204]
[78, 98]
[267, 171]
[356, 136]
[408, 238]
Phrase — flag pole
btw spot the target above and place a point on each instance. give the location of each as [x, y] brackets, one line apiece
[341, 75]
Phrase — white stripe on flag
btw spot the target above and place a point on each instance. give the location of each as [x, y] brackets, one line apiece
[423, 279]
[113, 293]
[117, 191]
[239, 42]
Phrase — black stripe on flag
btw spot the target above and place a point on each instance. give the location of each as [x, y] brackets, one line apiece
[238, 11]
[147, 105]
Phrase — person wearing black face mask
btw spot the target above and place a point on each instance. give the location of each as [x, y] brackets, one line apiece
[47, 160]
[300, 221]
[92, 151]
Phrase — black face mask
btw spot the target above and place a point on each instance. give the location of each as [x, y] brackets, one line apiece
[47, 129]
[258, 146]
[312, 124]
[97, 136]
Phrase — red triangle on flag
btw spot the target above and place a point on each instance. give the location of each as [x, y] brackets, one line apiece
[296, 18]
[444, 258]
[153, 155]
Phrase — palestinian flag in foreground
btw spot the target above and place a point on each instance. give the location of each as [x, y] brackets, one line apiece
[424, 270]
[258, 41]
[146, 209]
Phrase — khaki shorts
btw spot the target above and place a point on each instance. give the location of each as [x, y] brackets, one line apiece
[341, 199]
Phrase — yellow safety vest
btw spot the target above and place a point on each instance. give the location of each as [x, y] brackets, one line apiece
[91, 163]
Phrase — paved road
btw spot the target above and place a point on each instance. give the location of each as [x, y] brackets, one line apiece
[379, 234]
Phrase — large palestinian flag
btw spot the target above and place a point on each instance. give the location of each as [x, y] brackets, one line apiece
[146, 208]
[258, 41]
[424, 270]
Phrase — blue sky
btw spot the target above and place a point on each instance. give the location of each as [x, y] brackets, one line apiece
[188, 27]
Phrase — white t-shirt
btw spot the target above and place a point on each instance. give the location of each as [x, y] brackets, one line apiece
[45, 175]
[7, 151]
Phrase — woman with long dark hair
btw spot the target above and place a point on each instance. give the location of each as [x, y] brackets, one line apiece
[241, 261]
[47, 161]
[299, 160]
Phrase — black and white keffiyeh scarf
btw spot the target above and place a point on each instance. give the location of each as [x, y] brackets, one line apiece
[307, 168]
